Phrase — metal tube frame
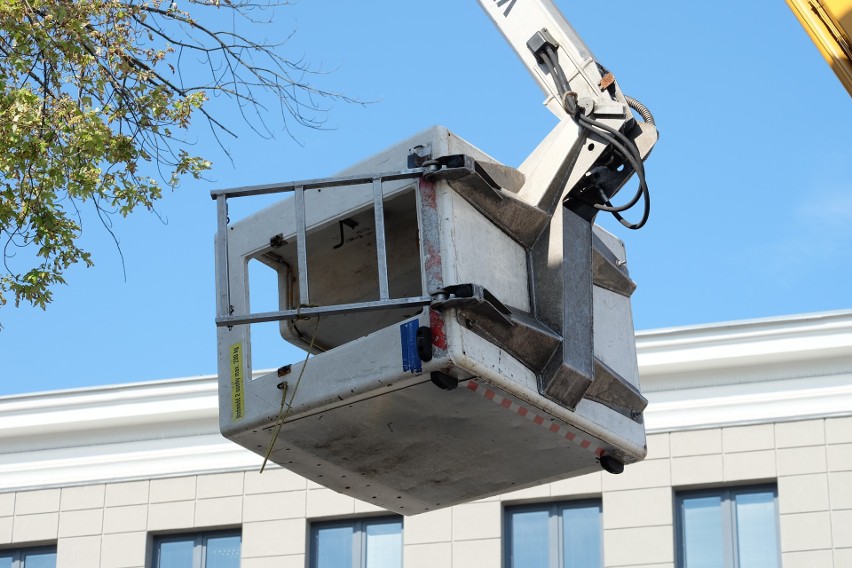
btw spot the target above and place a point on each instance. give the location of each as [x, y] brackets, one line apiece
[226, 318]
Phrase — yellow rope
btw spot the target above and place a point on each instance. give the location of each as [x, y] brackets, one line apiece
[285, 408]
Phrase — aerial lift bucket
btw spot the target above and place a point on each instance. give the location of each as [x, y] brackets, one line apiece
[466, 339]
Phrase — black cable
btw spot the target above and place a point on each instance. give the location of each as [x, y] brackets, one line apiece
[630, 153]
[625, 147]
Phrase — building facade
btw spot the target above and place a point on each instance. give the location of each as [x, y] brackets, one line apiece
[749, 464]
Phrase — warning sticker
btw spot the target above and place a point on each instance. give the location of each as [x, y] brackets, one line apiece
[237, 402]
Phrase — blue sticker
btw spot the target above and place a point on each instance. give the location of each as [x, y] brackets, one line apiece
[410, 359]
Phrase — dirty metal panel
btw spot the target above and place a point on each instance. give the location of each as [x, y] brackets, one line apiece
[422, 448]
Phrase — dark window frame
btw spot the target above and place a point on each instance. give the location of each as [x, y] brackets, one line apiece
[199, 539]
[728, 495]
[359, 535]
[555, 542]
[17, 553]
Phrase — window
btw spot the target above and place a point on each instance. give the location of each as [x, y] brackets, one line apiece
[43, 557]
[204, 550]
[730, 528]
[559, 535]
[364, 543]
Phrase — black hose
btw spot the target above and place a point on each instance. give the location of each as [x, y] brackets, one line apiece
[625, 147]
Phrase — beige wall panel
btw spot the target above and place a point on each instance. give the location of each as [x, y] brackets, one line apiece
[467, 553]
[219, 512]
[274, 538]
[696, 442]
[78, 552]
[173, 489]
[748, 438]
[34, 528]
[175, 515]
[747, 466]
[131, 518]
[125, 550]
[697, 470]
[842, 557]
[435, 555]
[7, 504]
[658, 446]
[477, 520]
[220, 485]
[800, 461]
[838, 430]
[840, 457]
[637, 508]
[272, 506]
[638, 546]
[803, 493]
[129, 493]
[6, 530]
[840, 489]
[807, 559]
[32, 502]
[805, 531]
[841, 528]
[434, 526]
[798, 434]
[84, 497]
[88, 522]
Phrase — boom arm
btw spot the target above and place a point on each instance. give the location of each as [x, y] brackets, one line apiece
[593, 113]
[521, 20]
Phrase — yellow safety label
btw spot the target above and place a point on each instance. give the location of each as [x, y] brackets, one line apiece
[237, 398]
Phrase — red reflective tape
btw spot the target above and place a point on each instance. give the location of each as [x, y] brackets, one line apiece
[439, 334]
[525, 412]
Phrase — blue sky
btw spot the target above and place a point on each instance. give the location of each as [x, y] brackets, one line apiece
[751, 180]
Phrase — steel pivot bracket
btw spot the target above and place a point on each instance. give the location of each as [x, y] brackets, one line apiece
[476, 175]
[571, 369]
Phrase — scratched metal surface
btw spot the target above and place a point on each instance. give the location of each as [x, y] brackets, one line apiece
[422, 448]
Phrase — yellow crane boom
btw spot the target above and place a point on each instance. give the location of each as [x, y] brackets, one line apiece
[829, 23]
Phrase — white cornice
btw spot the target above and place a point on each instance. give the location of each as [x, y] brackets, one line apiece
[726, 374]
[792, 347]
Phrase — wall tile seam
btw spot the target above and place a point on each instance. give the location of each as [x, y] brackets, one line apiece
[421, 542]
[614, 491]
[476, 538]
[802, 550]
[651, 526]
[810, 511]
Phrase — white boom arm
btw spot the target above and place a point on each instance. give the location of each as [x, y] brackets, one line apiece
[579, 91]
[520, 20]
